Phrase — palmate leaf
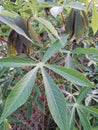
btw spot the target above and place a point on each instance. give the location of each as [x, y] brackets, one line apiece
[14, 26]
[56, 101]
[19, 94]
[16, 62]
[71, 75]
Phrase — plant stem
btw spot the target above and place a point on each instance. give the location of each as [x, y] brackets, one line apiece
[4, 40]
[89, 5]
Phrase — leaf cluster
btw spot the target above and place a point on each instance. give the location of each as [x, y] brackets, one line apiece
[58, 54]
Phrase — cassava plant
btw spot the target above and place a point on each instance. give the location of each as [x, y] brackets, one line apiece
[56, 43]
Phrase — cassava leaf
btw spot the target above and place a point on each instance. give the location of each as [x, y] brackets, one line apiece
[72, 117]
[49, 26]
[54, 48]
[69, 61]
[56, 101]
[84, 121]
[71, 75]
[82, 94]
[16, 62]
[91, 51]
[33, 33]
[76, 5]
[91, 110]
[78, 27]
[94, 23]
[14, 26]
[19, 94]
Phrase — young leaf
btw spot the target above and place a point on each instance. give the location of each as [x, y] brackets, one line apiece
[91, 51]
[14, 27]
[19, 94]
[56, 101]
[16, 62]
[55, 47]
[71, 75]
[82, 94]
[84, 121]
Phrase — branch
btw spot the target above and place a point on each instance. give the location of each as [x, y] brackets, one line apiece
[1, 39]
[89, 5]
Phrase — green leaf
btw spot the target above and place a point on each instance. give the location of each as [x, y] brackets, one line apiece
[19, 94]
[69, 61]
[14, 26]
[75, 128]
[48, 25]
[71, 122]
[78, 26]
[91, 110]
[76, 5]
[56, 101]
[71, 75]
[7, 13]
[16, 120]
[94, 23]
[40, 106]
[52, 38]
[91, 51]
[82, 94]
[2, 71]
[16, 62]
[54, 48]
[84, 121]
[94, 128]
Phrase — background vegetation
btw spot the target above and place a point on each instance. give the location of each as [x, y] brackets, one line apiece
[48, 65]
